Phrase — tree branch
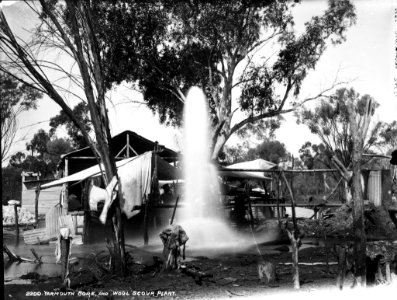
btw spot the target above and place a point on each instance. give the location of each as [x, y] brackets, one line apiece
[45, 84]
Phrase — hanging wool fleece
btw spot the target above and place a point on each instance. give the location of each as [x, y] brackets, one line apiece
[135, 183]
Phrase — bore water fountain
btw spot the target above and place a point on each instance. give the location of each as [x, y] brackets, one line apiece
[202, 217]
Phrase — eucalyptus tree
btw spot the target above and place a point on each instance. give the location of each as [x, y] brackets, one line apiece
[246, 56]
[343, 125]
[165, 47]
[329, 120]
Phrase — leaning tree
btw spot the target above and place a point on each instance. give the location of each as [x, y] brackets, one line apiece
[68, 30]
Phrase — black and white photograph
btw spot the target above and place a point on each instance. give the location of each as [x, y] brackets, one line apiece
[199, 149]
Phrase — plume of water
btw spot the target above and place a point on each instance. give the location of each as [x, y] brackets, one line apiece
[202, 217]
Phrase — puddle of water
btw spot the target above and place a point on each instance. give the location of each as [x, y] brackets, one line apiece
[141, 254]
[15, 269]
[17, 281]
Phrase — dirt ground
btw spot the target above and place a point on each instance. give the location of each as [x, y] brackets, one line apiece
[233, 275]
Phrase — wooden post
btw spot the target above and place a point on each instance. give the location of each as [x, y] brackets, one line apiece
[282, 211]
[294, 237]
[36, 205]
[295, 261]
[324, 232]
[292, 176]
[66, 199]
[86, 228]
[38, 258]
[247, 193]
[146, 224]
[128, 145]
[387, 271]
[16, 221]
[292, 204]
[326, 187]
[278, 199]
[152, 196]
[173, 212]
[65, 243]
[86, 198]
[341, 254]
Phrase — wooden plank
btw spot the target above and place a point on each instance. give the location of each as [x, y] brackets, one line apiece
[277, 171]
[253, 205]
[91, 157]
[51, 221]
[34, 232]
[35, 236]
[77, 240]
[296, 205]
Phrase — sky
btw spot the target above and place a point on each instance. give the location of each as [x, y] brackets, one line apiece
[365, 60]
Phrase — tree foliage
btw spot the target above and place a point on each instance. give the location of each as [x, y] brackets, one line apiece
[81, 112]
[15, 98]
[330, 122]
[269, 150]
[236, 153]
[56, 148]
[38, 143]
[387, 137]
[273, 151]
[207, 44]
[315, 156]
[17, 159]
[45, 154]
[31, 163]
[164, 48]
[11, 183]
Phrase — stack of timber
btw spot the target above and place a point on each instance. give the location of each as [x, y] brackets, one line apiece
[55, 219]
[36, 236]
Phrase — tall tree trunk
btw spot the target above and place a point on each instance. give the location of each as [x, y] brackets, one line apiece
[358, 131]
[222, 134]
[218, 146]
[79, 38]
[347, 191]
[360, 239]
[98, 112]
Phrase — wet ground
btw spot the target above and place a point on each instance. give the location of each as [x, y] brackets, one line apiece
[233, 269]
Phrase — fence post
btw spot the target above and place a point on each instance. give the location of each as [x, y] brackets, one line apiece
[36, 205]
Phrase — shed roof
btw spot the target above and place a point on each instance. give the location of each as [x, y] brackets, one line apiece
[257, 164]
[164, 171]
[138, 145]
